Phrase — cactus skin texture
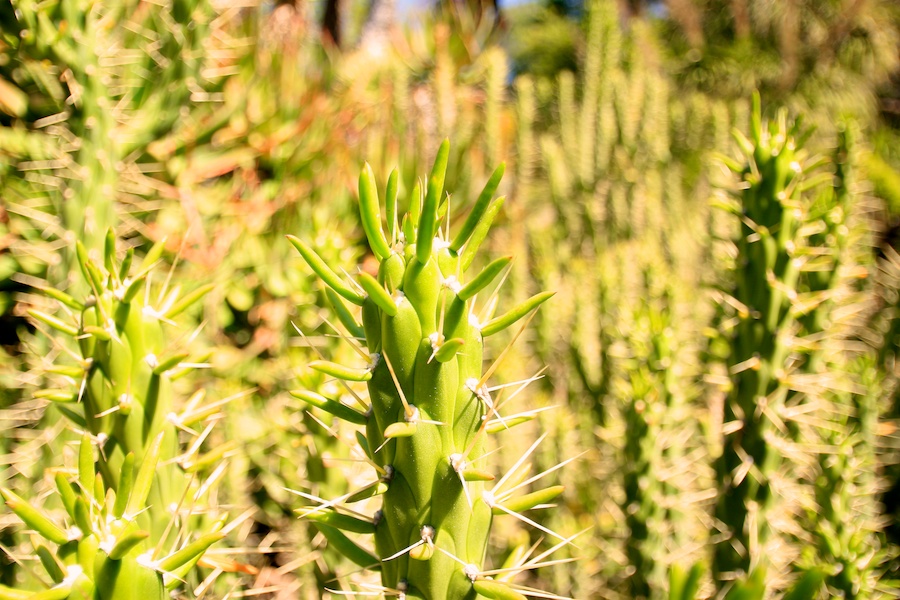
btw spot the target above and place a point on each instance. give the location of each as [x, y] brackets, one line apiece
[429, 409]
[105, 554]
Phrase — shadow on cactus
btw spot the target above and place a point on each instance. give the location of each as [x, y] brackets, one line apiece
[429, 408]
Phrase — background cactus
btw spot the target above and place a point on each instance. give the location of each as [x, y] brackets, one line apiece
[103, 551]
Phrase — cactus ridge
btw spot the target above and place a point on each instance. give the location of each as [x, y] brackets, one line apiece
[429, 407]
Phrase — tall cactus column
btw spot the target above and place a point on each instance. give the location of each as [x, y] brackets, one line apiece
[131, 489]
[429, 407]
[769, 262]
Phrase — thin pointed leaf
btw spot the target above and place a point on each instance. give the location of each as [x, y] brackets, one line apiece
[188, 301]
[190, 552]
[370, 211]
[144, 480]
[346, 547]
[125, 267]
[529, 501]
[83, 516]
[369, 492]
[55, 323]
[62, 297]
[428, 218]
[126, 543]
[109, 251]
[449, 349]
[496, 591]
[340, 371]
[169, 363]
[496, 426]
[481, 231]
[479, 210]
[483, 279]
[339, 521]
[378, 294]
[400, 429]
[86, 465]
[502, 322]
[338, 409]
[321, 269]
[126, 483]
[345, 316]
[33, 518]
[477, 475]
[66, 493]
[50, 564]
[390, 201]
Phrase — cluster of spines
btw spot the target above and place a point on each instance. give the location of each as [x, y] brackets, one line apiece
[429, 405]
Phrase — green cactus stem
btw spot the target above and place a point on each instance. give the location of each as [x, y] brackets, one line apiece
[429, 407]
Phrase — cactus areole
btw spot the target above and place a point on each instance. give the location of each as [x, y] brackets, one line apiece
[429, 409]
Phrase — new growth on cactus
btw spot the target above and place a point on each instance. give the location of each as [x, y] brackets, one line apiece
[429, 406]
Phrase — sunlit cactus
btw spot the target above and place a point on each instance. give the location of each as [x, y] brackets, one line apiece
[101, 550]
[773, 251]
[429, 406]
[118, 391]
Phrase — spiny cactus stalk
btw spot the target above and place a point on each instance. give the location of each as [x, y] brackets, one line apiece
[119, 392]
[771, 251]
[429, 408]
[101, 551]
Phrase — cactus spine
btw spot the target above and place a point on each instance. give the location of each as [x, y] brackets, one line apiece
[429, 408]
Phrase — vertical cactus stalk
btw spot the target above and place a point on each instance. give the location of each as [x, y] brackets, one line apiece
[429, 409]
[844, 483]
[769, 259]
[119, 393]
[650, 388]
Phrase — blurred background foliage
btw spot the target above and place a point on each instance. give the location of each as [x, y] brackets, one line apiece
[221, 126]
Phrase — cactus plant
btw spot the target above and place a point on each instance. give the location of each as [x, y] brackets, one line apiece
[772, 252]
[429, 409]
[104, 552]
[120, 395]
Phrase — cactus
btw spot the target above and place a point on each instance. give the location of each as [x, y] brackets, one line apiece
[429, 409]
[120, 394]
[105, 553]
[771, 253]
